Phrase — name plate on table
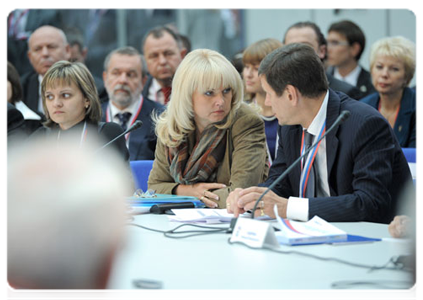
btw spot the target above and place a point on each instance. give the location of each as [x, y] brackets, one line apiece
[143, 205]
[254, 233]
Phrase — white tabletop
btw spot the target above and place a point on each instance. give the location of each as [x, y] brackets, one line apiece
[210, 262]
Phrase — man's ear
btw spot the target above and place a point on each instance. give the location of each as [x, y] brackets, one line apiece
[355, 48]
[292, 94]
[184, 52]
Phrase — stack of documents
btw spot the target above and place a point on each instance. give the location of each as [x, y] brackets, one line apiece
[315, 231]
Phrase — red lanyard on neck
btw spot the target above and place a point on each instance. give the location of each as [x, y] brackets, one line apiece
[310, 160]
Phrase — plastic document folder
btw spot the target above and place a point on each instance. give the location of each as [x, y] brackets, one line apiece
[143, 205]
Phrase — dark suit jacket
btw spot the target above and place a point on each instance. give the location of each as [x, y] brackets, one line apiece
[104, 132]
[405, 126]
[341, 86]
[142, 141]
[30, 89]
[147, 86]
[366, 166]
[16, 130]
[364, 82]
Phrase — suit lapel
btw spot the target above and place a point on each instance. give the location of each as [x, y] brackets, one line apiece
[333, 111]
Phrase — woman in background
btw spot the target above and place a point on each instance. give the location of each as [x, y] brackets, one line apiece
[252, 57]
[392, 66]
[73, 109]
[208, 141]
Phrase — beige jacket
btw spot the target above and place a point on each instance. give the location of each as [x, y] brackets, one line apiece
[245, 162]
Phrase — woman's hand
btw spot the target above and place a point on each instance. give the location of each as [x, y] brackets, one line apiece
[201, 190]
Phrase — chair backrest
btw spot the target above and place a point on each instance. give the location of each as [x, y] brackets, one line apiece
[410, 154]
[140, 171]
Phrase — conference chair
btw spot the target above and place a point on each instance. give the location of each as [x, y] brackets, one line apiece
[140, 171]
[410, 155]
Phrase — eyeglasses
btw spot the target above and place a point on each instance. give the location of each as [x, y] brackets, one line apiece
[338, 43]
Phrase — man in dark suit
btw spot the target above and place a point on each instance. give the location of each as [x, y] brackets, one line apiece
[46, 45]
[122, 78]
[346, 42]
[309, 33]
[163, 51]
[356, 173]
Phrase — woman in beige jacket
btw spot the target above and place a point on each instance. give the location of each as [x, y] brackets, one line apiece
[209, 142]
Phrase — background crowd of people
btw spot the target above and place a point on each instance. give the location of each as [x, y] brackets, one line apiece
[219, 120]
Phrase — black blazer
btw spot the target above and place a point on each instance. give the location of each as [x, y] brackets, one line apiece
[366, 167]
[30, 89]
[364, 83]
[103, 132]
[142, 141]
[341, 86]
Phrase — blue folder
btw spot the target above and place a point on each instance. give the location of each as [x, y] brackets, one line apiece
[143, 205]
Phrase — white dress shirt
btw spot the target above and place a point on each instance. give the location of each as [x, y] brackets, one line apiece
[351, 78]
[155, 92]
[297, 208]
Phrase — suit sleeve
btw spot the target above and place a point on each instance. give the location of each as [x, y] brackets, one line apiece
[412, 138]
[279, 166]
[369, 162]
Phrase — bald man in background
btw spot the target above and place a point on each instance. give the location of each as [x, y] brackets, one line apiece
[46, 45]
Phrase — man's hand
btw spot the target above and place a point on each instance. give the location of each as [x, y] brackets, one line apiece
[242, 200]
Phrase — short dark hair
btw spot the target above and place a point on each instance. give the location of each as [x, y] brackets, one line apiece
[352, 32]
[320, 37]
[157, 32]
[297, 65]
[14, 79]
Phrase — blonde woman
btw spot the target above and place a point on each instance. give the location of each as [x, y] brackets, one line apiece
[209, 141]
[73, 109]
[392, 66]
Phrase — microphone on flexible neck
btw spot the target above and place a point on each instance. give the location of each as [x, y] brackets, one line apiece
[341, 118]
[137, 124]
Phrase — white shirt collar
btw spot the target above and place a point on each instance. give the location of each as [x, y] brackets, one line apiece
[131, 108]
[154, 93]
[351, 78]
[318, 121]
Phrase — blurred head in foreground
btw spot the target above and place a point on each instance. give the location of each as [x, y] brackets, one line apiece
[66, 215]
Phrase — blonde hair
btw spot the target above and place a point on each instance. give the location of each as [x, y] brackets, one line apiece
[201, 70]
[66, 73]
[398, 47]
[255, 53]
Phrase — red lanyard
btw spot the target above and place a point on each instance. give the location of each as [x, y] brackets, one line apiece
[310, 160]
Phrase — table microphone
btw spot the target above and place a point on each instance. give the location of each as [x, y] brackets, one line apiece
[342, 117]
[137, 124]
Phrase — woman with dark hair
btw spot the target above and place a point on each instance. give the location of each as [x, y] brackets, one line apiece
[14, 96]
[73, 109]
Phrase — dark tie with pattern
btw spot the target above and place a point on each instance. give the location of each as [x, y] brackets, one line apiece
[166, 92]
[310, 191]
[123, 119]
